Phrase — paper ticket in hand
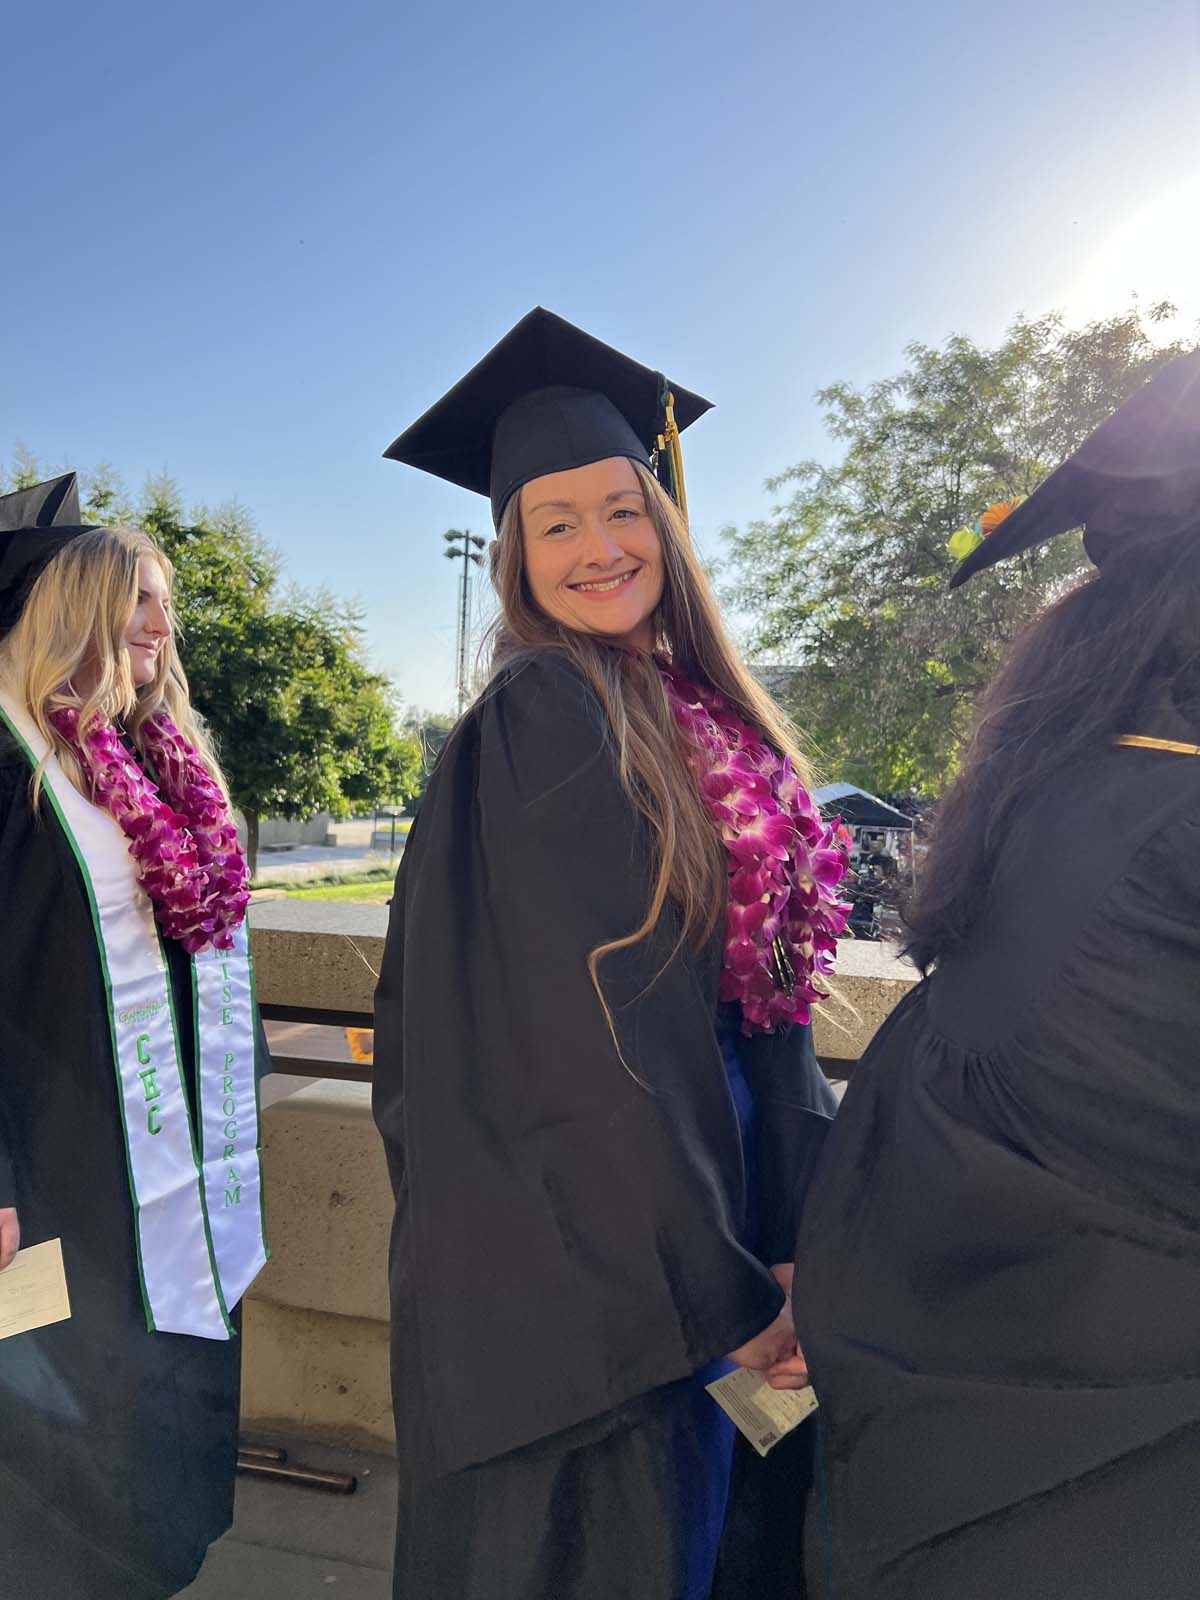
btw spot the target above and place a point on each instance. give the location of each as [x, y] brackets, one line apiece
[33, 1290]
[764, 1415]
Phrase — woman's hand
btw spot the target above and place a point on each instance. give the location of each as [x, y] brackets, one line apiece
[774, 1350]
[10, 1235]
[791, 1370]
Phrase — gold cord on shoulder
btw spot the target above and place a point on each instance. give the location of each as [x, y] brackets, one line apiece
[1143, 741]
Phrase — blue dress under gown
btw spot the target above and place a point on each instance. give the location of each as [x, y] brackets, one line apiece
[704, 1495]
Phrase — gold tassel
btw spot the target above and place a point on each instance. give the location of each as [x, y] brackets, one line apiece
[670, 457]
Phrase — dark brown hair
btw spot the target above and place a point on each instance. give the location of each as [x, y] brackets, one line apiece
[1097, 664]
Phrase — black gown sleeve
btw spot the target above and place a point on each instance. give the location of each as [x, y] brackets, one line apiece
[569, 1211]
[794, 1109]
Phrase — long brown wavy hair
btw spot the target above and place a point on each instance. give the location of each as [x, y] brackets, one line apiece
[649, 749]
[75, 621]
[1121, 648]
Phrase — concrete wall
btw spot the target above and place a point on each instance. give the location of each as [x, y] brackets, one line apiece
[314, 1358]
[320, 954]
[315, 1354]
[872, 980]
[275, 832]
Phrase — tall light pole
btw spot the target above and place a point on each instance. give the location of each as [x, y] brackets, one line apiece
[465, 547]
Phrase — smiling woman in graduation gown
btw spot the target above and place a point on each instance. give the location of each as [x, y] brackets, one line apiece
[590, 1194]
[998, 1281]
[117, 1443]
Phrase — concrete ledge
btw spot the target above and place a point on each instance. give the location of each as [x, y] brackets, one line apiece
[327, 955]
[872, 979]
[317, 953]
[315, 1375]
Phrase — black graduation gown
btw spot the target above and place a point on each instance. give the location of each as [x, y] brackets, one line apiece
[998, 1285]
[567, 1231]
[117, 1446]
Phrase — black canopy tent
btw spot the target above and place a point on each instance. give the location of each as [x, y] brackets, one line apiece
[858, 809]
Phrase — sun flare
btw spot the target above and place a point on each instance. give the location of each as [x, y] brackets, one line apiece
[1154, 255]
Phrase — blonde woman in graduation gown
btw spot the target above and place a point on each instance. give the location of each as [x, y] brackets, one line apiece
[129, 1047]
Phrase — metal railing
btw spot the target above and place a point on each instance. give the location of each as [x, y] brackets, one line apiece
[836, 1068]
[320, 1066]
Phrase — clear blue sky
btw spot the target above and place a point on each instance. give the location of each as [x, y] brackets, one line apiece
[250, 243]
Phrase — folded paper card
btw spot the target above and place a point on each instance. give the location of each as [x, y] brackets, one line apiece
[763, 1414]
[33, 1290]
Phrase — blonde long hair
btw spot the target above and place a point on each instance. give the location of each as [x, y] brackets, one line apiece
[76, 618]
[651, 755]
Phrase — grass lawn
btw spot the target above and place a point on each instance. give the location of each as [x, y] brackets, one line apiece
[376, 892]
[371, 888]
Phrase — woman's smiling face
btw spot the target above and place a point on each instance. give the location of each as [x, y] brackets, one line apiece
[593, 559]
[150, 625]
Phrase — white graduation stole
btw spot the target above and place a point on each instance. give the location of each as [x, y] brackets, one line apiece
[197, 1204]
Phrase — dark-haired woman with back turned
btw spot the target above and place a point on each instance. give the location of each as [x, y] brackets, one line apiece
[998, 1282]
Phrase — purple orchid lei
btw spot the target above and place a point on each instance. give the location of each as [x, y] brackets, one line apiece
[185, 844]
[784, 861]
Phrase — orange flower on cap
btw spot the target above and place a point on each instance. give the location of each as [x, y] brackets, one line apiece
[995, 514]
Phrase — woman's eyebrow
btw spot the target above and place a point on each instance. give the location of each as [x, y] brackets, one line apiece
[569, 505]
[552, 505]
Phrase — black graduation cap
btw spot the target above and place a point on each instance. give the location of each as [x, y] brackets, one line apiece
[1134, 479]
[547, 398]
[35, 524]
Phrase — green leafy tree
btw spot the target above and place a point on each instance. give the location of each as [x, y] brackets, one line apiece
[302, 723]
[430, 729]
[103, 497]
[846, 579]
[24, 470]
